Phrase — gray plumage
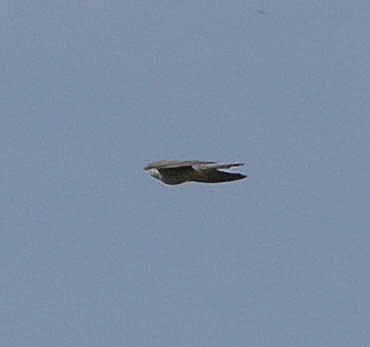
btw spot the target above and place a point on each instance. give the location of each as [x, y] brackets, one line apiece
[176, 172]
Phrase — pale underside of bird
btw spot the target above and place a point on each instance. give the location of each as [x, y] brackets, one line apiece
[176, 172]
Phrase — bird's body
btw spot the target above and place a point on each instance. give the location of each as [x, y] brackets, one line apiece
[176, 172]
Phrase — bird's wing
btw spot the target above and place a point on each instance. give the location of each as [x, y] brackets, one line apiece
[214, 166]
[172, 164]
[214, 176]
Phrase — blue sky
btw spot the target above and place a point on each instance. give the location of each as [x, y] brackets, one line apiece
[94, 252]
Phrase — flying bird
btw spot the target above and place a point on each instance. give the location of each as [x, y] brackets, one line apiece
[176, 172]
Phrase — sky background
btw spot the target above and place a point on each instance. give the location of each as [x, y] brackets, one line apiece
[94, 252]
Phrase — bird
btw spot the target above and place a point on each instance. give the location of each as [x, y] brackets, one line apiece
[175, 172]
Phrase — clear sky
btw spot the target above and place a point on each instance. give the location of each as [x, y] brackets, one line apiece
[94, 252]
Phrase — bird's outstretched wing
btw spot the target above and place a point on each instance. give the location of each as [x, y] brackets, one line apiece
[171, 164]
[215, 176]
[210, 173]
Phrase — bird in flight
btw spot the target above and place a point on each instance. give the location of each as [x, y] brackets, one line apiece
[176, 172]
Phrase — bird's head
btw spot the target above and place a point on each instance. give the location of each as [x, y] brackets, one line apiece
[153, 172]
